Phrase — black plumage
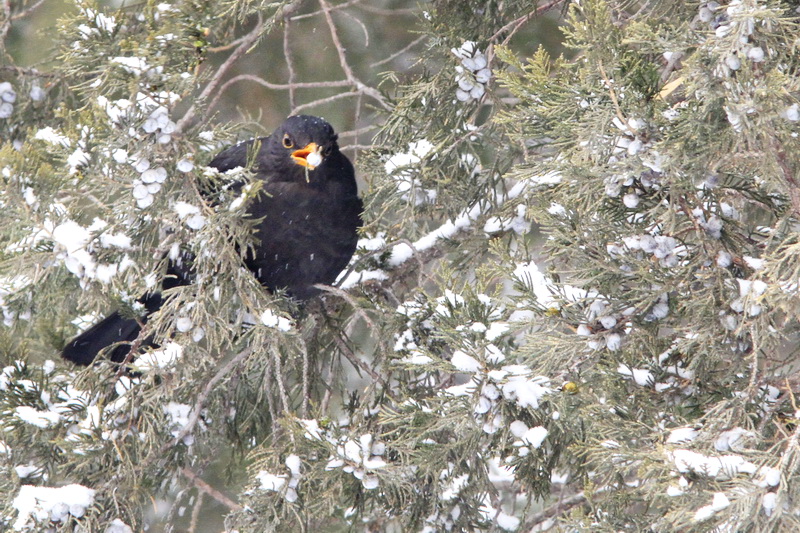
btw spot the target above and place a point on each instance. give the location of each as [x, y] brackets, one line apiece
[308, 216]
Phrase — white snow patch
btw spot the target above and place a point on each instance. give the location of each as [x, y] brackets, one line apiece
[682, 435]
[640, 376]
[733, 439]
[356, 278]
[464, 362]
[178, 414]
[40, 419]
[51, 136]
[769, 501]
[165, 357]
[496, 329]
[535, 436]
[518, 387]
[719, 503]
[507, 522]
[118, 526]
[270, 482]
[721, 468]
[41, 504]
[270, 319]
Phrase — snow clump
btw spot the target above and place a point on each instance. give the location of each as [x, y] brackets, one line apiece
[42, 504]
[404, 168]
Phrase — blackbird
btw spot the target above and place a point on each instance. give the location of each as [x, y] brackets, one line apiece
[309, 214]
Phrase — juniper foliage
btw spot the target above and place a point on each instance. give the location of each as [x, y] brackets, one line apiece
[574, 306]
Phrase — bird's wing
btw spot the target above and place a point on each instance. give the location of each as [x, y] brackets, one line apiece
[236, 156]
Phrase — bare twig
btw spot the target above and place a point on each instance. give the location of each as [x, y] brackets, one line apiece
[287, 53]
[613, 94]
[233, 44]
[328, 389]
[196, 508]
[320, 11]
[348, 72]
[21, 71]
[387, 12]
[322, 101]
[200, 402]
[205, 488]
[349, 299]
[6, 24]
[275, 86]
[517, 23]
[354, 147]
[216, 79]
[337, 43]
[306, 385]
[357, 132]
[556, 509]
[276, 358]
[27, 11]
[400, 52]
[273, 411]
[356, 362]
[360, 25]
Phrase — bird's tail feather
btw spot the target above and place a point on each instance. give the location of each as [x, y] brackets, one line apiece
[114, 329]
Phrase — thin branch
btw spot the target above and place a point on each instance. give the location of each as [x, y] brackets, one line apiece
[320, 11]
[366, 7]
[328, 388]
[306, 384]
[273, 411]
[337, 43]
[322, 101]
[517, 23]
[212, 85]
[27, 71]
[361, 25]
[357, 132]
[196, 508]
[199, 403]
[614, 99]
[348, 72]
[354, 147]
[6, 24]
[400, 52]
[205, 488]
[556, 509]
[388, 12]
[226, 47]
[27, 11]
[349, 299]
[287, 53]
[358, 363]
[287, 86]
[275, 86]
[276, 358]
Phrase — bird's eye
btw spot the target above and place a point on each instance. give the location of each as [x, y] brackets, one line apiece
[326, 151]
[287, 141]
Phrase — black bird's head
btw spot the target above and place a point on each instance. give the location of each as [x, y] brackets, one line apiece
[306, 141]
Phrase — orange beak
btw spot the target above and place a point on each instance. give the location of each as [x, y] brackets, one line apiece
[301, 156]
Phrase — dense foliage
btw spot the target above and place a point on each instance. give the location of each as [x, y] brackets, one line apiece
[574, 306]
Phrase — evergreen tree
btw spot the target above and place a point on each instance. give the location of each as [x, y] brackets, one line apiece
[573, 307]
